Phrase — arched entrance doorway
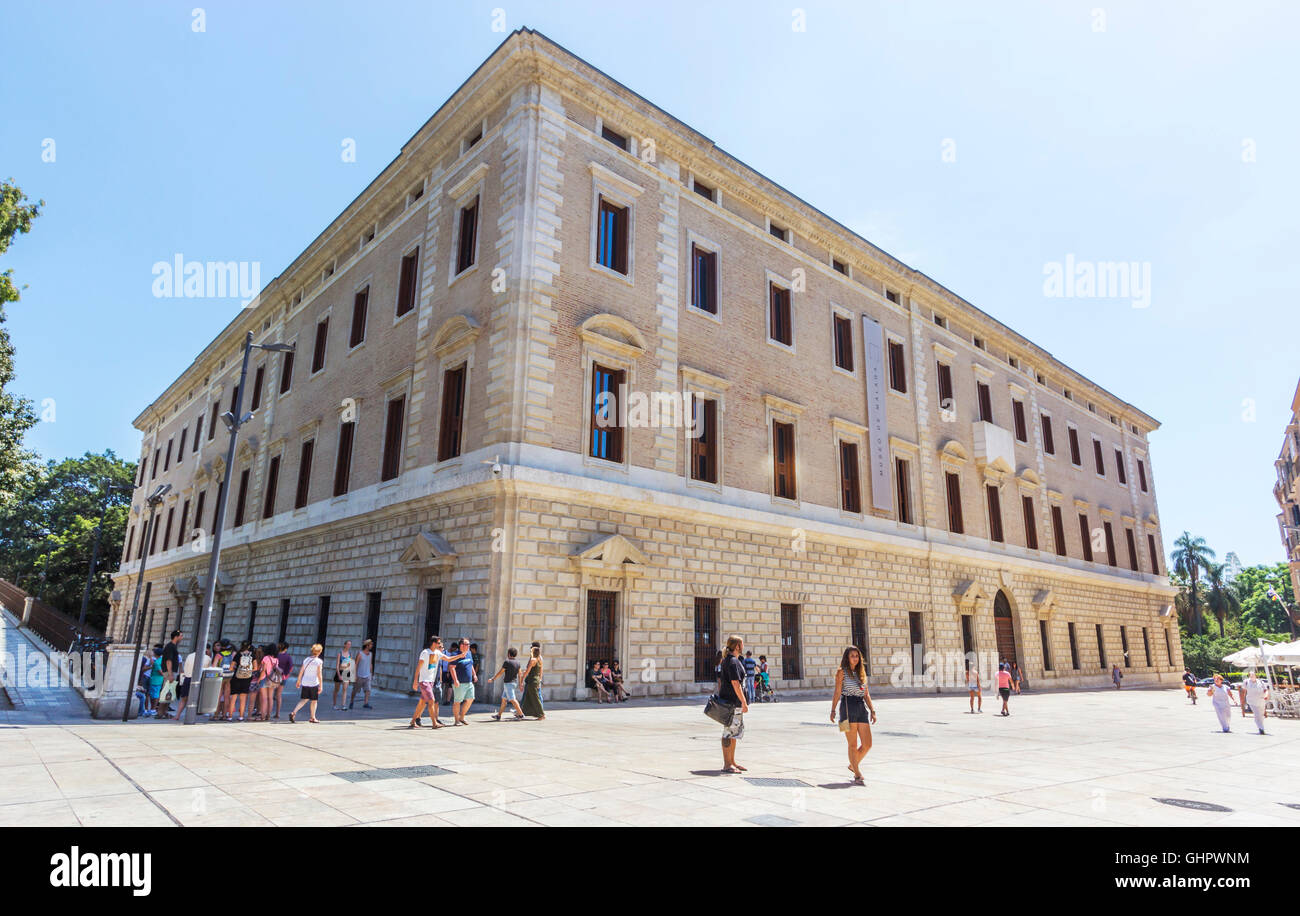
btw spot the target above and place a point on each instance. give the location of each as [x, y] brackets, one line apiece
[1004, 628]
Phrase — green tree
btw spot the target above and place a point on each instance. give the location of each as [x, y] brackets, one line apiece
[16, 414]
[47, 531]
[1190, 556]
[1257, 608]
[1220, 593]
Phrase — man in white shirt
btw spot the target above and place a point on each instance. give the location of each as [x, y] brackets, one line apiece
[187, 674]
[1256, 693]
[426, 681]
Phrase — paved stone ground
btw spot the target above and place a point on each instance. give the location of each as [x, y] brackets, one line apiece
[1082, 758]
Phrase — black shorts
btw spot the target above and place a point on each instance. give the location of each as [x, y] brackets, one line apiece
[183, 690]
[239, 685]
[310, 693]
[1004, 692]
[854, 709]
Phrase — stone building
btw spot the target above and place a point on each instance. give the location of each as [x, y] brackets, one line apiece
[568, 372]
[1287, 492]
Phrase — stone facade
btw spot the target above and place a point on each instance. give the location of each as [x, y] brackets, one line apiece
[525, 528]
[1287, 492]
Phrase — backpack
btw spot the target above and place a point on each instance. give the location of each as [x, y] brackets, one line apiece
[245, 666]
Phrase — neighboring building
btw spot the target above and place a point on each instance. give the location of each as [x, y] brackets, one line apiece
[878, 460]
[1287, 492]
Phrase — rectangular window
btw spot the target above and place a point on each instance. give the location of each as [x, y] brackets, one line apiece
[1146, 646]
[611, 236]
[706, 639]
[850, 494]
[995, 513]
[130, 542]
[703, 190]
[1031, 526]
[704, 280]
[1076, 457]
[322, 337]
[843, 329]
[1047, 645]
[779, 325]
[1119, 467]
[212, 420]
[916, 633]
[985, 402]
[1058, 531]
[954, 503]
[1155, 556]
[322, 619]
[1132, 549]
[406, 282]
[704, 446]
[606, 433]
[1085, 535]
[777, 231]
[167, 533]
[272, 482]
[861, 635]
[967, 637]
[157, 460]
[198, 434]
[1123, 644]
[360, 306]
[258, 377]
[180, 447]
[1049, 445]
[286, 372]
[783, 470]
[791, 667]
[393, 439]
[839, 266]
[304, 473]
[284, 620]
[343, 462]
[468, 237]
[1142, 475]
[1101, 646]
[242, 497]
[1110, 545]
[181, 533]
[897, 367]
[152, 530]
[1018, 421]
[903, 484]
[198, 508]
[945, 387]
[1097, 459]
[614, 137]
[453, 413]
[1169, 649]
[1074, 646]
[252, 620]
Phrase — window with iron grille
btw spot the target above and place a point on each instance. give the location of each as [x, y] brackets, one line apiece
[706, 639]
[791, 646]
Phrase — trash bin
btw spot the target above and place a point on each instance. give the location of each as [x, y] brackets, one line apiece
[209, 691]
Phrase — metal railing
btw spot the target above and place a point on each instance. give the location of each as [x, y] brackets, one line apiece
[57, 629]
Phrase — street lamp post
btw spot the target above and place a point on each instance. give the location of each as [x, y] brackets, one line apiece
[94, 555]
[234, 419]
[135, 628]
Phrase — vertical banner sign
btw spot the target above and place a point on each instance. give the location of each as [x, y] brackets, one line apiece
[873, 337]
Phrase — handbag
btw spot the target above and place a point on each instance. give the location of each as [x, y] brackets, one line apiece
[719, 712]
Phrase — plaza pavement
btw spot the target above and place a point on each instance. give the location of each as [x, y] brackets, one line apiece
[1082, 758]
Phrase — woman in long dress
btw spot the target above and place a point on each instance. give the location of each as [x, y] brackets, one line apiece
[532, 702]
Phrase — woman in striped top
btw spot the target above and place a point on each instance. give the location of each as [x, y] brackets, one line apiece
[857, 713]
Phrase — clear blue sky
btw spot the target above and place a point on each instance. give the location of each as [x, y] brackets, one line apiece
[1119, 144]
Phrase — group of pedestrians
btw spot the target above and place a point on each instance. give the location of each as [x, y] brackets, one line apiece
[1008, 678]
[1252, 697]
[460, 666]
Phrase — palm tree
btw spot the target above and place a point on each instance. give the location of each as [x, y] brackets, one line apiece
[1221, 595]
[1190, 556]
